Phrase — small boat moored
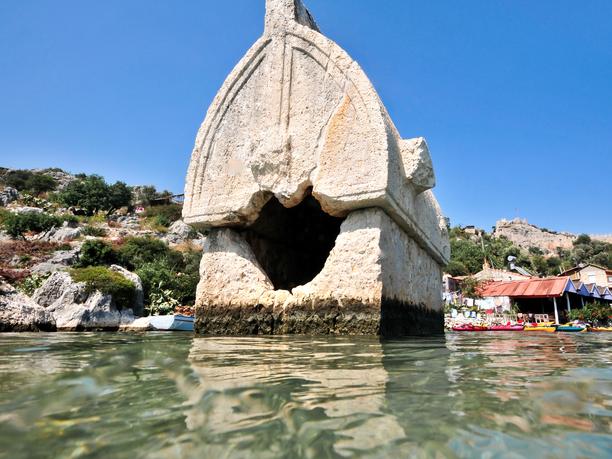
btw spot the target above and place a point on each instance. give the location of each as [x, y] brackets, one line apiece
[176, 322]
[542, 327]
[507, 327]
[470, 328]
[571, 328]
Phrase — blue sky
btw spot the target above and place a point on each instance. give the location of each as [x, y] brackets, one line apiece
[514, 97]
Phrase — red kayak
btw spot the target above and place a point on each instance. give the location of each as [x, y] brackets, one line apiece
[506, 328]
[470, 327]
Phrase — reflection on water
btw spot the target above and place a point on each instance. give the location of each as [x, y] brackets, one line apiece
[173, 396]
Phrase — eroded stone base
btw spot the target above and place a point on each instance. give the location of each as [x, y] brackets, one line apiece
[375, 281]
[392, 319]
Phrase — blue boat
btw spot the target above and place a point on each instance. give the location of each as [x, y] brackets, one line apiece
[571, 328]
[176, 322]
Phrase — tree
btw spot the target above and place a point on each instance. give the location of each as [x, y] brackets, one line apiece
[470, 287]
[468, 253]
[119, 196]
[456, 268]
[93, 194]
[582, 239]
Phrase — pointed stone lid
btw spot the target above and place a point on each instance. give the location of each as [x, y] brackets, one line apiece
[297, 115]
[280, 12]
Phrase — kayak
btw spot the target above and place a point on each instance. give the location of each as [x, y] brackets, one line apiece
[540, 329]
[469, 327]
[176, 322]
[601, 329]
[506, 328]
[571, 328]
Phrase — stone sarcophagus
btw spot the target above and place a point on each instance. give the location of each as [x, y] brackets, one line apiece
[320, 216]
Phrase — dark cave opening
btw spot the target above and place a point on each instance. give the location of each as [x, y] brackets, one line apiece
[292, 244]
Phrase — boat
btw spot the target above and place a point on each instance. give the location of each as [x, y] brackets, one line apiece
[571, 328]
[177, 322]
[601, 329]
[470, 327]
[544, 327]
[507, 327]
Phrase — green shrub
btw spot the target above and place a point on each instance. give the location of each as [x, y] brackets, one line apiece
[96, 252]
[137, 251]
[31, 283]
[16, 225]
[592, 312]
[162, 301]
[29, 182]
[95, 231]
[108, 282]
[180, 278]
[165, 215]
[4, 214]
[40, 183]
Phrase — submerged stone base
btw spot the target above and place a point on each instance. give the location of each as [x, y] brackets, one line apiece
[375, 281]
[393, 319]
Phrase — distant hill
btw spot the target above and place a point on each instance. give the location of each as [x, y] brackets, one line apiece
[526, 235]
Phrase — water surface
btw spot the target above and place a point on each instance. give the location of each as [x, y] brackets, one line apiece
[155, 395]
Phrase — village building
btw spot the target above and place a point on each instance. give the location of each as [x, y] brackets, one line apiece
[590, 274]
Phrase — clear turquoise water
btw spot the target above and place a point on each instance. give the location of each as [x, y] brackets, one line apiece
[113, 395]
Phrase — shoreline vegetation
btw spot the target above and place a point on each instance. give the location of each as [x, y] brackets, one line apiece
[104, 254]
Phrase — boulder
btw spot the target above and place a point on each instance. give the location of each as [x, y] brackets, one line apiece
[62, 234]
[74, 308]
[19, 313]
[129, 221]
[8, 195]
[27, 210]
[179, 232]
[61, 177]
[60, 260]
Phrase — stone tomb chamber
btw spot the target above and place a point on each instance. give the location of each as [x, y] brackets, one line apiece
[320, 218]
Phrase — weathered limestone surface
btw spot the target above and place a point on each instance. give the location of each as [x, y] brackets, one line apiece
[74, 308]
[298, 117]
[19, 313]
[375, 279]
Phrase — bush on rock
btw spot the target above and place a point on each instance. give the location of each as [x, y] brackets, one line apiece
[16, 225]
[108, 282]
[96, 252]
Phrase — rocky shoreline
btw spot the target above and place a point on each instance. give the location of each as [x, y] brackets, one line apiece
[38, 289]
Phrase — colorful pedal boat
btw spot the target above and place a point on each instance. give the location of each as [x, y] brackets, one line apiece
[470, 328]
[506, 328]
[571, 328]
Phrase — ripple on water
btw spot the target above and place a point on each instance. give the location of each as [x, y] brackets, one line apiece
[169, 395]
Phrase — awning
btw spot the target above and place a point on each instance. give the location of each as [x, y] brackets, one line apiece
[531, 288]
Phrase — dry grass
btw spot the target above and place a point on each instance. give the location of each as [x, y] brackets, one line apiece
[29, 253]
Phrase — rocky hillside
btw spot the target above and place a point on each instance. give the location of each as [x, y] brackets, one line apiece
[526, 235]
[76, 255]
